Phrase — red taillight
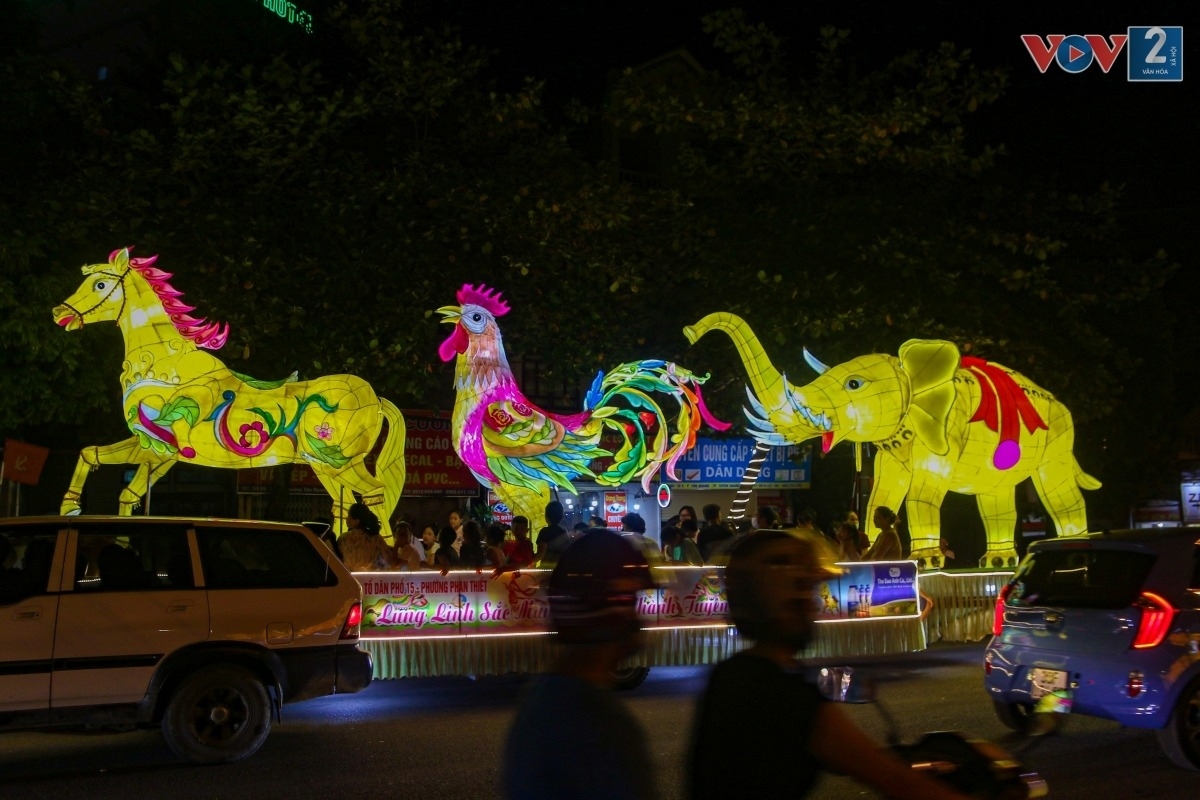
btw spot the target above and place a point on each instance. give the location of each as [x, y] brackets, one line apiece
[353, 620]
[1157, 615]
[998, 619]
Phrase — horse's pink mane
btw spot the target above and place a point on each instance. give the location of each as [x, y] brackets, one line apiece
[209, 335]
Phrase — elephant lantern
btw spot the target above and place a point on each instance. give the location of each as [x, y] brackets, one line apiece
[940, 422]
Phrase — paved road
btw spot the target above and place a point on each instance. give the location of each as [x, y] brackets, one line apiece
[441, 738]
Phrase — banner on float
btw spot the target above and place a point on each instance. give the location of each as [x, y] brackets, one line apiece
[871, 589]
[420, 604]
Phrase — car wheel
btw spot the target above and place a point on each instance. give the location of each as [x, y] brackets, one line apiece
[1180, 738]
[1015, 716]
[217, 715]
[629, 677]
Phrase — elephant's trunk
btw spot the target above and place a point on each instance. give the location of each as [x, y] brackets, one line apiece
[769, 386]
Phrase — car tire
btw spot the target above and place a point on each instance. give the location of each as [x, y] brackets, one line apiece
[219, 714]
[629, 677]
[1180, 738]
[1015, 716]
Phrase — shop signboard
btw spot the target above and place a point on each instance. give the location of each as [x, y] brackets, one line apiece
[501, 513]
[721, 464]
[614, 509]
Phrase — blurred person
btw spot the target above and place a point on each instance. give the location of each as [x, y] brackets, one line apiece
[429, 539]
[633, 528]
[713, 533]
[363, 549]
[550, 534]
[445, 557]
[847, 543]
[571, 738]
[678, 549]
[408, 558]
[787, 732]
[596, 521]
[456, 522]
[691, 529]
[947, 553]
[472, 554]
[686, 513]
[518, 551]
[765, 517]
[887, 545]
[493, 550]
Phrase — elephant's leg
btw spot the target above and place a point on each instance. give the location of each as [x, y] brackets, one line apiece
[147, 475]
[924, 509]
[999, 513]
[124, 452]
[1055, 484]
[889, 487]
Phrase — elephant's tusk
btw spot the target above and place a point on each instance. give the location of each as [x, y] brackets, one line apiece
[812, 361]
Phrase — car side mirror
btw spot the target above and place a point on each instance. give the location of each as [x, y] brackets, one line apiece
[844, 685]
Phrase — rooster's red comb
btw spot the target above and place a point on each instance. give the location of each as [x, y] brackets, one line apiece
[481, 295]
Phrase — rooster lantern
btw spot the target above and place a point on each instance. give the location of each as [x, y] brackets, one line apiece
[521, 452]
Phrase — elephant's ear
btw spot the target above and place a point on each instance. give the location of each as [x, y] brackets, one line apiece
[930, 365]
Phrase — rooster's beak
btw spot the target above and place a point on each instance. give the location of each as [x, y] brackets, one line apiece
[451, 313]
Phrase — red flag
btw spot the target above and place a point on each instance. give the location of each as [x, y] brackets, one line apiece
[23, 462]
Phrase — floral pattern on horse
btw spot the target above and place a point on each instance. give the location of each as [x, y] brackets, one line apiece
[181, 402]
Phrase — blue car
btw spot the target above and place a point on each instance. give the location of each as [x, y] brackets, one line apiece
[1106, 625]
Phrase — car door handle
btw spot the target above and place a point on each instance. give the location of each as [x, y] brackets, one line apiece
[180, 605]
[28, 613]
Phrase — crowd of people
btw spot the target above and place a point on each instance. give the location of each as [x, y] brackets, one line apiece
[685, 539]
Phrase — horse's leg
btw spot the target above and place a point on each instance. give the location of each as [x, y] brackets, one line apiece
[356, 477]
[147, 474]
[124, 452]
[336, 491]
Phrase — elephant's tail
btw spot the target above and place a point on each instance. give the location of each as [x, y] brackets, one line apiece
[1084, 480]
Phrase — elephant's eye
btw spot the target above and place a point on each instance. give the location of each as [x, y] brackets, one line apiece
[854, 384]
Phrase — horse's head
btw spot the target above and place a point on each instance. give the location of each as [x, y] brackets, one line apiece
[101, 296]
[135, 287]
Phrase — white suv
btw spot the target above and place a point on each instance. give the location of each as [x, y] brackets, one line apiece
[203, 627]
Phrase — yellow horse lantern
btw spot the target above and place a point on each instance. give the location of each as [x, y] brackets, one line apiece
[181, 402]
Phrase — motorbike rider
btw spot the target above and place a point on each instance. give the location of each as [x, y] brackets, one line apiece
[786, 732]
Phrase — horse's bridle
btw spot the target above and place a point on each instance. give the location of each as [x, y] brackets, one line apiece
[120, 282]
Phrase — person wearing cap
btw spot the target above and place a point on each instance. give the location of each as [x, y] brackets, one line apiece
[571, 737]
[786, 732]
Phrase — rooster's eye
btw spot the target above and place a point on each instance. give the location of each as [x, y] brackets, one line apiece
[477, 317]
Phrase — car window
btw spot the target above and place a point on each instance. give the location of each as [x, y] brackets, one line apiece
[1091, 578]
[26, 555]
[245, 558]
[118, 557]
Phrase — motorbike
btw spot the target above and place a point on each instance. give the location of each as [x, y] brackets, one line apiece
[971, 765]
